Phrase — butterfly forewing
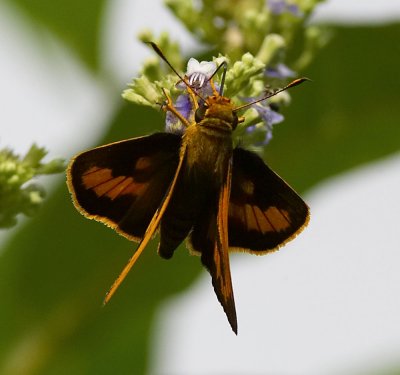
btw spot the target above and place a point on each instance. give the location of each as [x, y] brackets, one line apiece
[122, 184]
[264, 212]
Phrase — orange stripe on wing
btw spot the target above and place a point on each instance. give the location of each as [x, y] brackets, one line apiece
[103, 183]
[277, 219]
[96, 176]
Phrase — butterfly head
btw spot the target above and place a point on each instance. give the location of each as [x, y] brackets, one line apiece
[217, 110]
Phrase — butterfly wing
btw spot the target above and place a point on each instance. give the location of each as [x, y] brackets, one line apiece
[152, 227]
[210, 238]
[264, 212]
[123, 184]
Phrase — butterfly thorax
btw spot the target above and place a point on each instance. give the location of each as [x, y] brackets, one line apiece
[208, 142]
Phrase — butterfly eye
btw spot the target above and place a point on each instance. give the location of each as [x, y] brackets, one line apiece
[200, 112]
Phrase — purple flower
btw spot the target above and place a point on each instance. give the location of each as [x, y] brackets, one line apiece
[280, 71]
[269, 118]
[198, 74]
[295, 10]
[277, 6]
[183, 105]
[283, 6]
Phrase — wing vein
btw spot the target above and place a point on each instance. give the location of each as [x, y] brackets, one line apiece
[269, 221]
[90, 171]
[256, 220]
[284, 216]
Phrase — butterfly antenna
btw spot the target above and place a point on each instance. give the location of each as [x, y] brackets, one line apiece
[223, 65]
[183, 79]
[296, 82]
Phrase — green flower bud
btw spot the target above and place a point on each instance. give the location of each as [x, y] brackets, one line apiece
[242, 74]
[17, 195]
[271, 46]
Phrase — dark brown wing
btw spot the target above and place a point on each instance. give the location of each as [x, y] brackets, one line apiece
[122, 184]
[264, 212]
[153, 225]
[210, 238]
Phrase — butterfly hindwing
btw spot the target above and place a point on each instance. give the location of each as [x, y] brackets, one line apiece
[122, 184]
[264, 212]
[221, 276]
[209, 238]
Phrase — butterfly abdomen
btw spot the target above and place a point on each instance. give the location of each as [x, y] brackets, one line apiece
[187, 202]
[205, 165]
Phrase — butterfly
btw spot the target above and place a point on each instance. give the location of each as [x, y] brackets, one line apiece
[195, 186]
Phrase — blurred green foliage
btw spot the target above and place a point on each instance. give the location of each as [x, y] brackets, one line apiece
[17, 192]
[345, 117]
[56, 269]
[76, 23]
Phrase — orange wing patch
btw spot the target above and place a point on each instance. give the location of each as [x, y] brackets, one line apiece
[253, 218]
[123, 187]
[143, 163]
[279, 218]
[247, 187]
[102, 182]
[250, 219]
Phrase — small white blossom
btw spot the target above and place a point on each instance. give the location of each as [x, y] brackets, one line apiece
[199, 72]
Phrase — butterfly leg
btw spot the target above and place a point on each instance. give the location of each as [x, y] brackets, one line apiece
[169, 106]
[193, 98]
[215, 92]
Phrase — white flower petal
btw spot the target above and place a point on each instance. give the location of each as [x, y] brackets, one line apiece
[199, 73]
[208, 68]
[201, 79]
[192, 66]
